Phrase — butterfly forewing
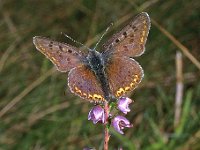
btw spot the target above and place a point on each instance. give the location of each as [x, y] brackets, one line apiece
[64, 56]
[130, 41]
[83, 82]
[124, 74]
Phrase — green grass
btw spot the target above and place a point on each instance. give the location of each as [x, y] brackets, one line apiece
[47, 116]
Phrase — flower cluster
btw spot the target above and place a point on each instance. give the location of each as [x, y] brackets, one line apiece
[97, 114]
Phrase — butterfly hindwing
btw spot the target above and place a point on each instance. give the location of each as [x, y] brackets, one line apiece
[130, 41]
[83, 82]
[124, 74]
[64, 56]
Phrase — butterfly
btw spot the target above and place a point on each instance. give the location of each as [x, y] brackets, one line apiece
[96, 76]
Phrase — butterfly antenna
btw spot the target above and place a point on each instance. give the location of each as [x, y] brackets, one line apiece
[69, 37]
[103, 35]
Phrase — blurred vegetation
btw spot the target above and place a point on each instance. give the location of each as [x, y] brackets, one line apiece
[37, 110]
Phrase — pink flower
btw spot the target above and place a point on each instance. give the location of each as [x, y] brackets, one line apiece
[97, 114]
[119, 123]
[123, 104]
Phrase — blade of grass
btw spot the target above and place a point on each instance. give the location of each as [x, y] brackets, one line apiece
[19, 97]
[125, 142]
[179, 88]
[185, 113]
[160, 138]
[184, 118]
[184, 49]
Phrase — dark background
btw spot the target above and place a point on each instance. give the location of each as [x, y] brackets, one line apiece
[37, 111]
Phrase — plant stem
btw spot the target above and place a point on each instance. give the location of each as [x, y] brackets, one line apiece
[106, 129]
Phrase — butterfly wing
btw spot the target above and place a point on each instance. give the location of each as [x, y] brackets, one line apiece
[64, 56]
[83, 82]
[124, 74]
[130, 41]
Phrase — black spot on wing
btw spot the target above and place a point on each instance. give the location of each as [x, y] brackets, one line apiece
[117, 40]
[125, 34]
[50, 45]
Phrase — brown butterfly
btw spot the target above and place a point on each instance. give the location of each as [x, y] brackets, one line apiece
[99, 76]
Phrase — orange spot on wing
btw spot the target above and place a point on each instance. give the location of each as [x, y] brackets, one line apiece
[142, 40]
[97, 97]
[121, 91]
[93, 97]
[127, 88]
[78, 91]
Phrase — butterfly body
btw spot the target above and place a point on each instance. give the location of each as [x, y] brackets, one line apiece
[96, 63]
[98, 76]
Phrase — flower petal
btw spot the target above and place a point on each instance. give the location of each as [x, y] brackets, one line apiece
[96, 114]
[123, 104]
[119, 123]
